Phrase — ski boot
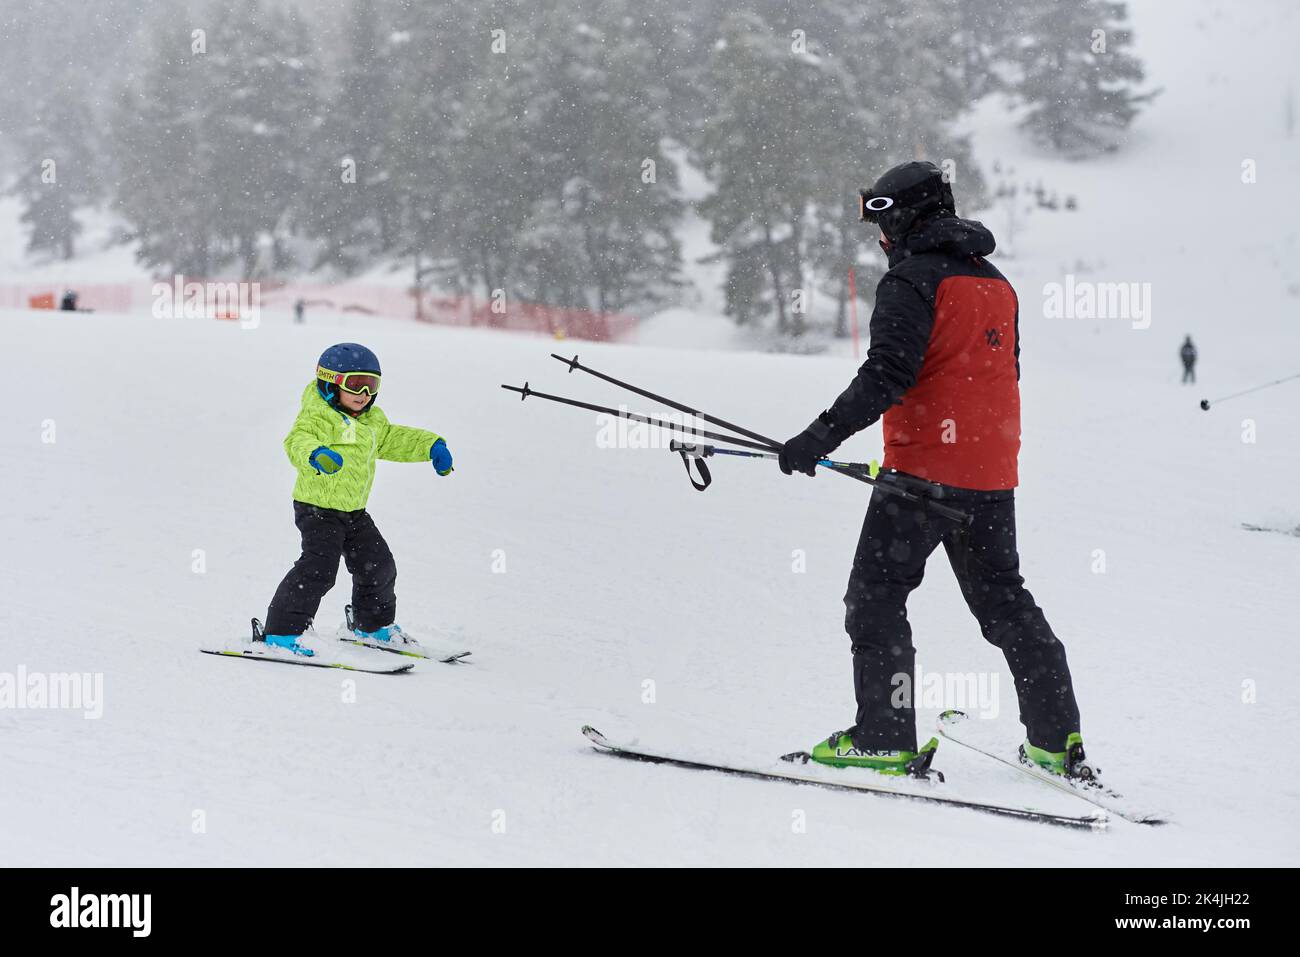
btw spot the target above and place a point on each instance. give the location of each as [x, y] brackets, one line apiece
[288, 642]
[390, 636]
[1071, 763]
[839, 751]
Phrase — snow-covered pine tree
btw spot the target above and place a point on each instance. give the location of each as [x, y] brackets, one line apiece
[263, 120]
[754, 144]
[159, 150]
[1076, 74]
[353, 208]
[607, 176]
[58, 169]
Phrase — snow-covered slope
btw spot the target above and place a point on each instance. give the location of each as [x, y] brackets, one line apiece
[579, 573]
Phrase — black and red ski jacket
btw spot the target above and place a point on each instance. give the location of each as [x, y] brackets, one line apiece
[943, 368]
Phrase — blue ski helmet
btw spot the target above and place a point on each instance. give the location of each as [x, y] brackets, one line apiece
[344, 357]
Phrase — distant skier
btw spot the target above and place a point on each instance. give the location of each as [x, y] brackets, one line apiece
[299, 308]
[1188, 354]
[69, 301]
[334, 444]
[943, 369]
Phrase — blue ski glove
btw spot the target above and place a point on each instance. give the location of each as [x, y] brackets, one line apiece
[440, 456]
[325, 460]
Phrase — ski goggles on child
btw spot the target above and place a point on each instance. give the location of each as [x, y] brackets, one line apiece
[354, 382]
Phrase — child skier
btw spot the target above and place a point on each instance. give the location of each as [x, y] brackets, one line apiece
[334, 443]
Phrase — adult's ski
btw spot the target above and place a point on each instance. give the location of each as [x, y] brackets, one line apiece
[1294, 532]
[956, 727]
[1092, 821]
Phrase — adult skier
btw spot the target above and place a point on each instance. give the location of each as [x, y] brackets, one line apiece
[943, 370]
[1188, 354]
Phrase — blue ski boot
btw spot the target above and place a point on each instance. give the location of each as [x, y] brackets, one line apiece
[288, 642]
[389, 635]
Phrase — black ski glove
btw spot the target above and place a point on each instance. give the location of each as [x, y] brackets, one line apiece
[805, 450]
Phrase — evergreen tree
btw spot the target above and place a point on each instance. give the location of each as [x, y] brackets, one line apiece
[58, 171]
[161, 150]
[263, 119]
[1077, 74]
[354, 208]
[754, 146]
[601, 137]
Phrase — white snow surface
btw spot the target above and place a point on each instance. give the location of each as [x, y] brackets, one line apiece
[616, 573]
[147, 511]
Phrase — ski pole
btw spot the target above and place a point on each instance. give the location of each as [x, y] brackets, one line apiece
[1205, 403]
[770, 445]
[526, 391]
[697, 453]
[862, 468]
[712, 420]
[707, 451]
[871, 469]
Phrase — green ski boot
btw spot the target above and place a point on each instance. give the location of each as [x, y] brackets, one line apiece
[1070, 763]
[839, 751]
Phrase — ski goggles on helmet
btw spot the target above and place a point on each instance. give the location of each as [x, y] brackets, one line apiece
[932, 192]
[353, 382]
[870, 206]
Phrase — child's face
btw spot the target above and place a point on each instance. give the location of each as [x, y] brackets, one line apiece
[353, 402]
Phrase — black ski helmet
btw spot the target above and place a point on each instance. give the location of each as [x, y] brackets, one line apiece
[905, 195]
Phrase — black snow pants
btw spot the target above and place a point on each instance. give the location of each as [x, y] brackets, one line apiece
[328, 534]
[897, 538]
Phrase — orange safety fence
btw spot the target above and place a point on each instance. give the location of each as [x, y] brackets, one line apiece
[356, 298]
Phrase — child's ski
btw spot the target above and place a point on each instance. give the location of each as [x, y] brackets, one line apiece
[877, 784]
[246, 651]
[403, 645]
[956, 726]
[410, 649]
[324, 654]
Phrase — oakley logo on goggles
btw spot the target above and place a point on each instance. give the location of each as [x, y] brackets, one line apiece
[354, 382]
[870, 207]
[924, 194]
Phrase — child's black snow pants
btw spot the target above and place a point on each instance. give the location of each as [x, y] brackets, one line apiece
[897, 538]
[328, 534]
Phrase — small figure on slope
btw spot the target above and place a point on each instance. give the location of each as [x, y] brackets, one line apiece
[1188, 354]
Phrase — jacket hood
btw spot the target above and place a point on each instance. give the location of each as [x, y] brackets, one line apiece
[945, 234]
